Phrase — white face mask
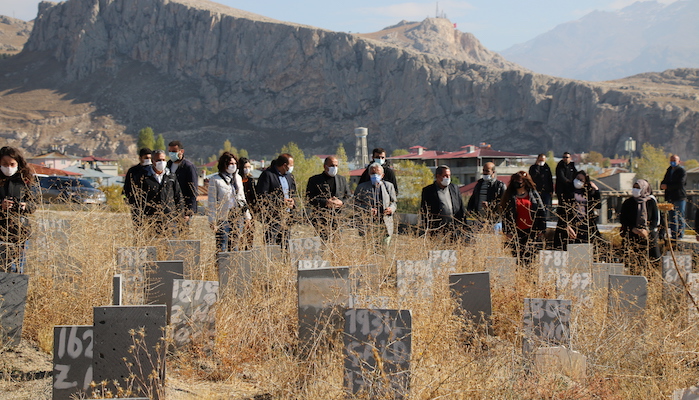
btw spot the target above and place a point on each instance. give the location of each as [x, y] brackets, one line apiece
[247, 171]
[160, 165]
[146, 162]
[381, 161]
[487, 178]
[8, 171]
[291, 170]
[578, 183]
[174, 155]
[232, 169]
[636, 192]
[446, 181]
[541, 163]
[332, 171]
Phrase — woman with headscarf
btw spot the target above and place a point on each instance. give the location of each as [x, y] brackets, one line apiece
[581, 221]
[639, 219]
[15, 181]
[524, 216]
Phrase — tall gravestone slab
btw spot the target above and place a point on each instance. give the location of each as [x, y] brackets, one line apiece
[193, 317]
[310, 248]
[188, 251]
[546, 323]
[13, 298]
[73, 347]
[371, 332]
[117, 290]
[159, 282]
[672, 284]
[503, 270]
[693, 285]
[627, 295]
[580, 256]
[473, 293]
[601, 272]
[113, 328]
[414, 278]
[322, 296]
[235, 271]
[690, 393]
[131, 264]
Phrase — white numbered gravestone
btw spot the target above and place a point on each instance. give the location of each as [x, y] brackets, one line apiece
[503, 270]
[444, 259]
[13, 298]
[368, 333]
[690, 393]
[113, 329]
[572, 278]
[323, 294]
[693, 284]
[601, 272]
[672, 284]
[576, 286]
[312, 264]
[159, 281]
[193, 317]
[51, 233]
[546, 323]
[552, 263]
[310, 248]
[580, 256]
[72, 361]
[131, 264]
[627, 295]
[188, 251]
[414, 278]
[473, 293]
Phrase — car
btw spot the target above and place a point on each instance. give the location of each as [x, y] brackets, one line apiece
[61, 189]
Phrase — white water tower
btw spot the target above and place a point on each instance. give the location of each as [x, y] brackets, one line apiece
[361, 151]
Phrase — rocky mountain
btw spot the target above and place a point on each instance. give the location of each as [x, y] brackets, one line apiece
[645, 36]
[13, 34]
[203, 73]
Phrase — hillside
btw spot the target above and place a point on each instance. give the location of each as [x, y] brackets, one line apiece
[204, 73]
[13, 34]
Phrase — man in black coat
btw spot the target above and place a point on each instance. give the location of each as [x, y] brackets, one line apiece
[441, 206]
[326, 194]
[674, 184]
[133, 183]
[565, 174]
[275, 190]
[160, 199]
[487, 194]
[378, 156]
[187, 177]
[540, 173]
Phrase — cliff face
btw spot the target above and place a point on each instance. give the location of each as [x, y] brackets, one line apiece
[223, 73]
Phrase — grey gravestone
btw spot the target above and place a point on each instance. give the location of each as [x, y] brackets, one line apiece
[305, 249]
[445, 259]
[580, 256]
[414, 278]
[371, 332]
[575, 285]
[322, 296]
[552, 263]
[13, 298]
[627, 295]
[546, 323]
[193, 317]
[159, 282]
[693, 284]
[672, 284]
[502, 269]
[117, 290]
[235, 271]
[312, 264]
[690, 393]
[188, 251]
[473, 292]
[113, 329]
[131, 264]
[73, 347]
[601, 272]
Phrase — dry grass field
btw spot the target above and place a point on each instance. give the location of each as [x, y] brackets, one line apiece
[256, 352]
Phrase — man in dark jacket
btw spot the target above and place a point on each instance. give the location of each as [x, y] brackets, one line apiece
[542, 177]
[565, 174]
[133, 183]
[326, 194]
[187, 178]
[674, 184]
[487, 194]
[378, 156]
[441, 206]
[276, 189]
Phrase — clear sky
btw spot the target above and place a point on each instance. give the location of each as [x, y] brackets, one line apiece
[498, 24]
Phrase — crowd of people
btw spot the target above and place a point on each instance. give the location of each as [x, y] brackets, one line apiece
[162, 189]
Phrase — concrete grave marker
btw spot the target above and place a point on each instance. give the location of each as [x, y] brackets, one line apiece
[235, 271]
[444, 259]
[672, 284]
[131, 264]
[112, 327]
[580, 256]
[312, 264]
[473, 292]
[546, 323]
[601, 272]
[414, 278]
[552, 263]
[503, 270]
[576, 286]
[310, 248]
[690, 393]
[13, 298]
[193, 317]
[117, 290]
[627, 295]
[188, 251]
[559, 360]
[322, 296]
[72, 360]
[371, 332]
[159, 283]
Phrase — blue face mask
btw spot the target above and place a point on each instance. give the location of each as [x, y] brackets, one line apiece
[673, 164]
[174, 156]
[375, 179]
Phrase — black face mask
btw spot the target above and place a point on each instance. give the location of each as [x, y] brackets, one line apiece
[516, 185]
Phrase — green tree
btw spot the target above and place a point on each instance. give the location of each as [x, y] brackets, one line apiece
[159, 143]
[399, 152]
[146, 138]
[304, 167]
[652, 164]
[594, 157]
[411, 177]
[341, 155]
[550, 161]
[690, 164]
[242, 153]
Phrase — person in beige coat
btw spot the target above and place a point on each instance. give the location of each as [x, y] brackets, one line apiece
[228, 209]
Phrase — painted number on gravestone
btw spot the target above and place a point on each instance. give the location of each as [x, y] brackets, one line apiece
[305, 249]
[72, 360]
[377, 347]
[414, 278]
[444, 258]
[13, 298]
[546, 321]
[552, 262]
[192, 315]
[312, 264]
[671, 278]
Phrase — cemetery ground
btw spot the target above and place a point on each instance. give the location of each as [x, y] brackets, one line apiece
[256, 353]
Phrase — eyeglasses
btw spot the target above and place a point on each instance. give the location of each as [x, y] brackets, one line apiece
[566, 157]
